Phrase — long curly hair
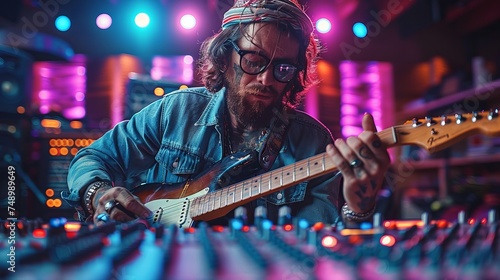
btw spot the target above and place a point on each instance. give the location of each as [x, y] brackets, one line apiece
[215, 53]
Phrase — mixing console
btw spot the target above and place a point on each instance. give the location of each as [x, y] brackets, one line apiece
[292, 249]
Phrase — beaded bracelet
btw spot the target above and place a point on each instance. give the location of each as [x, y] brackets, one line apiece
[354, 216]
[89, 195]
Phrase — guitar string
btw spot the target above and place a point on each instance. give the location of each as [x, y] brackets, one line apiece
[211, 198]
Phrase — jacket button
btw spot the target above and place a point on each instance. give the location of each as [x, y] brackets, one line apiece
[279, 196]
[176, 163]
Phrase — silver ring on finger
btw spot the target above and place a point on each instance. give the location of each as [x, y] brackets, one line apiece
[108, 206]
[356, 163]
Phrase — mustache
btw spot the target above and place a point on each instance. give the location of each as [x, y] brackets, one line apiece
[263, 90]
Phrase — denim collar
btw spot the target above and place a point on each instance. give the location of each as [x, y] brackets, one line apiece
[214, 112]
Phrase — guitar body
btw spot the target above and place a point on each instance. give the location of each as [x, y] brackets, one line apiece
[171, 203]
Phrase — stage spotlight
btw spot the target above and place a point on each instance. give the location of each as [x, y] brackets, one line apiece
[104, 21]
[63, 23]
[142, 20]
[188, 21]
[359, 29]
[323, 25]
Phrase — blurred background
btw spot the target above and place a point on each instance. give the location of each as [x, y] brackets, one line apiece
[70, 70]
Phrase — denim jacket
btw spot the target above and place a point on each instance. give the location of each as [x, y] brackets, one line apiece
[181, 135]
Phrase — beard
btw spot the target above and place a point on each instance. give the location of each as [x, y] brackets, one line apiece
[250, 114]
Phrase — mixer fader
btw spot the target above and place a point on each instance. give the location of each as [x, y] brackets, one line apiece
[291, 249]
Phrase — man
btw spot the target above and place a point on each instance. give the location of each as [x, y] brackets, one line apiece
[255, 71]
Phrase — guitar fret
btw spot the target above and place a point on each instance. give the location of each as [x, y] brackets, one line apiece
[224, 197]
[238, 195]
[300, 172]
[217, 201]
[205, 204]
[256, 189]
[246, 192]
[230, 195]
[288, 176]
[210, 202]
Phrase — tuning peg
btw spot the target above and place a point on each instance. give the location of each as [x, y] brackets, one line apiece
[415, 122]
[475, 116]
[492, 114]
[429, 121]
[459, 118]
[444, 120]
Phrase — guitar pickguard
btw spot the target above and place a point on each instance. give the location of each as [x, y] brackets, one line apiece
[173, 211]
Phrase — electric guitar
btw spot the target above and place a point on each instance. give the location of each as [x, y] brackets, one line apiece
[211, 195]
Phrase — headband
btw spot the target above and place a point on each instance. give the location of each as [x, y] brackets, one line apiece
[287, 11]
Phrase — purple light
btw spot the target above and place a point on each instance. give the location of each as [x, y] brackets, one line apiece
[60, 87]
[176, 69]
[188, 59]
[77, 112]
[103, 21]
[80, 96]
[44, 109]
[365, 87]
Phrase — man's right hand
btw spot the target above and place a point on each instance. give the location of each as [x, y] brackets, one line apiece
[119, 203]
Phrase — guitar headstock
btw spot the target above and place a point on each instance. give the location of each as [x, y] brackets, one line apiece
[437, 133]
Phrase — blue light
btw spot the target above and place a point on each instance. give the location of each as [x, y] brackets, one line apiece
[359, 29]
[267, 224]
[236, 224]
[63, 23]
[303, 223]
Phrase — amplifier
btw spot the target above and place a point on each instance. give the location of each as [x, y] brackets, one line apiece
[142, 90]
[52, 150]
[392, 249]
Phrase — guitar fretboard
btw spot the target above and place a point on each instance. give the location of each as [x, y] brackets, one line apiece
[264, 184]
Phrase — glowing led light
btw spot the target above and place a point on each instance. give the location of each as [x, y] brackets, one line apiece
[329, 241]
[188, 21]
[75, 125]
[72, 226]
[142, 20]
[359, 29]
[103, 21]
[287, 227]
[57, 202]
[39, 233]
[64, 151]
[50, 202]
[387, 240]
[53, 151]
[323, 25]
[47, 123]
[49, 192]
[63, 23]
[159, 91]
